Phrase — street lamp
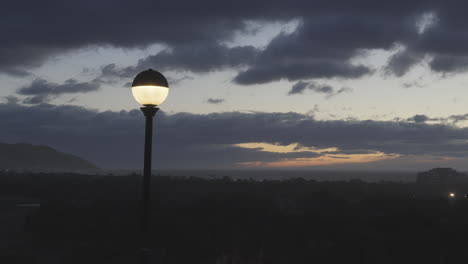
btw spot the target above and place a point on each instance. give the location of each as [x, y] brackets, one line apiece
[150, 88]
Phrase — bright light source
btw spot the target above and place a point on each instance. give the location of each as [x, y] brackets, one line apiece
[150, 95]
[150, 88]
[452, 195]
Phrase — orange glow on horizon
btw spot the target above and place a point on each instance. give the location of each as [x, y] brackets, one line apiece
[282, 148]
[326, 159]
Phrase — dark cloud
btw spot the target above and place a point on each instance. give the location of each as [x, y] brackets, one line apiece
[17, 59]
[110, 71]
[65, 27]
[43, 87]
[300, 86]
[193, 57]
[323, 46]
[94, 135]
[329, 36]
[175, 81]
[401, 62]
[444, 41]
[74, 99]
[200, 57]
[42, 91]
[215, 100]
[450, 119]
[449, 64]
[419, 118]
[412, 84]
[11, 99]
[187, 140]
[351, 152]
[314, 69]
[331, 31]
[458, 118]
[112, 74]
[38, 99]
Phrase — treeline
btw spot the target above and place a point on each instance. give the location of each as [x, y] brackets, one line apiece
[95, 219]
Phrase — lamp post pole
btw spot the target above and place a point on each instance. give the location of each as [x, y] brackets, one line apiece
[150, 89]
[149, 111]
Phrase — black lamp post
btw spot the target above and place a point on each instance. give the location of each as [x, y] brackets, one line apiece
[150, 88]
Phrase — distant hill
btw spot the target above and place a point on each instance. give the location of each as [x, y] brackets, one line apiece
[22, 156]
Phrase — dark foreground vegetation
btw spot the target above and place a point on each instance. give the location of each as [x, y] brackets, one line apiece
[94, 219]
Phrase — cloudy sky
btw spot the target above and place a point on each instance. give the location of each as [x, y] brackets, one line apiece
[336, 84]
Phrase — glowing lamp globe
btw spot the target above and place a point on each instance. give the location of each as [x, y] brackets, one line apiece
[150, 88]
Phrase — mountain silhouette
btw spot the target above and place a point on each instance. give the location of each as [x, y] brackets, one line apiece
[24, 156]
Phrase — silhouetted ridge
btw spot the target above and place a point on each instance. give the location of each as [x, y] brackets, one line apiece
[23, 156]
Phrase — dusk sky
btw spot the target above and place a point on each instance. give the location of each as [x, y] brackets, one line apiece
[334, 84]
